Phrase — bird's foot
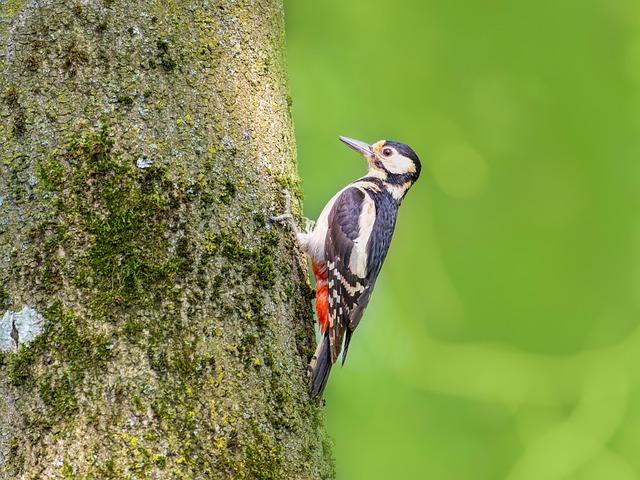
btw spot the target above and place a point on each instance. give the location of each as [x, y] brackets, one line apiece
[287, 216]
[308, 225]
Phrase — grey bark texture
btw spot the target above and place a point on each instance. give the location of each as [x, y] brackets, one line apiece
[154, 324]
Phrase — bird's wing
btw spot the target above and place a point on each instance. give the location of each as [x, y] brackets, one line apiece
[351, 274]
[378, 246]
[342, 252]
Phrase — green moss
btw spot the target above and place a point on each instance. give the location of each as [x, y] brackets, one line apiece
[124, 211]
[11, 7]
[32, 63]
[69, 352]
[164, 57]
[10, 96]
[108, 470]
[20, 364]
[141, 459]
[205, 23]
[327, 456]
[228, 192]
[51, 174]
[259, 219]
[5, 300]
[75, 55]
[58, 393]
[257, 262]
[133, 328]
[263, 458]
[125, 100]
[19, 122]
[67, 471]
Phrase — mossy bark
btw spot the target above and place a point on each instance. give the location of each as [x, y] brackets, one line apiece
[144, 144]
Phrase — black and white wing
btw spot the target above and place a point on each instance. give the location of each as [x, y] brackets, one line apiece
[358, 237]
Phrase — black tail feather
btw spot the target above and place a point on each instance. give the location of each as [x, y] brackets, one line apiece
[347, 340]
[320, 367]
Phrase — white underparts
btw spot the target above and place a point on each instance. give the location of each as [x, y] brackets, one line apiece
[314, 242]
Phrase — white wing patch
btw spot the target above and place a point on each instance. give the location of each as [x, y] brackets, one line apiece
[358, 260]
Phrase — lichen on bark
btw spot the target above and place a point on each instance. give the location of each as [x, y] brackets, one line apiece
[144, 146]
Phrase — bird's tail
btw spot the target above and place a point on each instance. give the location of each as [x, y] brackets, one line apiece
[319, 367]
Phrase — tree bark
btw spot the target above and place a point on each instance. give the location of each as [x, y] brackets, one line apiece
[154, 324]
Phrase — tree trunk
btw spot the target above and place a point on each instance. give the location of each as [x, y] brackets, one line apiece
[154, 324]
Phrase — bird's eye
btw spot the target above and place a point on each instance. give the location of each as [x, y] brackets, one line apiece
[387, 152]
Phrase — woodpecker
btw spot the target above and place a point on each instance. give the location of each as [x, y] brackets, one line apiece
[348, 245]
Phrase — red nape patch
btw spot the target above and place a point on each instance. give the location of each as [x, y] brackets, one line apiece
[322, 296]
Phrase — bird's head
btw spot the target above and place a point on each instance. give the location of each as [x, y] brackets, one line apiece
[393, 162]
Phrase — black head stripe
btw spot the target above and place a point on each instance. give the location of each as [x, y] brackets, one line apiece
[404, 150]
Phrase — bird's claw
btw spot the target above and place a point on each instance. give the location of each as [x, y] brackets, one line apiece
[281, 218]
[287, 215]
[308, 225]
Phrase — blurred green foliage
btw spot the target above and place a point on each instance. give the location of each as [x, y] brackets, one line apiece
[503, 338]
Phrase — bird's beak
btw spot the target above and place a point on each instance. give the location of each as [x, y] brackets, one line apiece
[358, 146]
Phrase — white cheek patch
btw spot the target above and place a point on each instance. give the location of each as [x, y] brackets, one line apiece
[398, 164]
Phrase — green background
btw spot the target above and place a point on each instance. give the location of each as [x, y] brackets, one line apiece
[502, 341]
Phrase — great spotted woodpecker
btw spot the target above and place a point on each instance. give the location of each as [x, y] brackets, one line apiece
[348, 245]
